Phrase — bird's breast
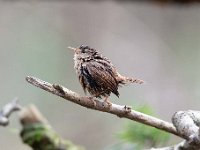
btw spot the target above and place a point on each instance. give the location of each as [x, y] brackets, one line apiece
[77, 62]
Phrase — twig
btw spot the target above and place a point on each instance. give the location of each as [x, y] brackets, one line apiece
[7, 110]
[92, 103]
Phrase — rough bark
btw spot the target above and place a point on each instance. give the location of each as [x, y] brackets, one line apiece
[187, 124]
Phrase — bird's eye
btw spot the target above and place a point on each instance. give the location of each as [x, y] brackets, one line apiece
[81, 46]
[86, 47]
[83, 50]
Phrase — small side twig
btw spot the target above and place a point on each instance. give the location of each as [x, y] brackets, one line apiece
[101, 106]
[7, 110]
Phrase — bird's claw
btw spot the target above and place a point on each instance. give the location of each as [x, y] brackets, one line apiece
[92, 99]
[107, 102]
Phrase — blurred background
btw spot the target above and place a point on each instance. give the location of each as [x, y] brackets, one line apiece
[159, 43]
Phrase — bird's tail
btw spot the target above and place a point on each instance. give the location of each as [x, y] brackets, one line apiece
[126, 80]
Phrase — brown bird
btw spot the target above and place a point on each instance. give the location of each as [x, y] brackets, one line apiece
[97, 74]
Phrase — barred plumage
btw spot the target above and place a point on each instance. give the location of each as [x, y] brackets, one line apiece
[97, 74]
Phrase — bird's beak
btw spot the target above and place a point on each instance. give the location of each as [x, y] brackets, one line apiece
[72, 48]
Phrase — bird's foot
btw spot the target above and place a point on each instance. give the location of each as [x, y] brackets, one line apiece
[92, 99]
[107, 102]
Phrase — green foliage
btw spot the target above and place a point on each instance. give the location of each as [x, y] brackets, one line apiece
[42, 137]
[143, 135]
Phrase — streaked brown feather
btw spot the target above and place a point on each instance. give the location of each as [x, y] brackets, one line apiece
[103, 77]
[97, 74]
[97, 80]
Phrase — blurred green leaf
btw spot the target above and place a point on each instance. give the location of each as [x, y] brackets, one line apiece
[143, 135]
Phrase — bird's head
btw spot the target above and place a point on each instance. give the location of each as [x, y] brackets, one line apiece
[84, 51]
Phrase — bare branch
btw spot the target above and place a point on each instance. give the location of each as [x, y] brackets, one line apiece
[39, 135]
[187, 123]
[31, 115]
[7, 110]
[92, 103]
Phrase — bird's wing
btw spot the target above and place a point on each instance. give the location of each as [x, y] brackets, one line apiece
[103, 77]
[82, 81]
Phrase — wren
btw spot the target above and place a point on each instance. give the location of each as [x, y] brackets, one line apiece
[97, 74]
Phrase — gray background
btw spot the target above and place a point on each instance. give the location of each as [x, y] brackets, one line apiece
[159, 44]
